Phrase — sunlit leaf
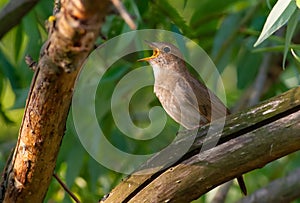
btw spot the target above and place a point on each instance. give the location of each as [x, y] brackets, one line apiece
[295, 55]
[3, 115]
[297, 61]
[298, 3]
[279, 15]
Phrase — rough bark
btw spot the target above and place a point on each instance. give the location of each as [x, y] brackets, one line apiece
[250, 140]
[71, 38]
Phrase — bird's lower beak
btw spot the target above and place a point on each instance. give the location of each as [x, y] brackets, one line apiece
[155, 52]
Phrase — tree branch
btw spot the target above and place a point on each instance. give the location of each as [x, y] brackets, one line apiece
[71, 38]
[13, 12]
[250, 140]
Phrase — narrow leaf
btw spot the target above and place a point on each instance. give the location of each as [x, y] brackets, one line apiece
[291, 26]
[7, 69]
[295, 55]
[278, 16]
[18, 41]
[170, 11]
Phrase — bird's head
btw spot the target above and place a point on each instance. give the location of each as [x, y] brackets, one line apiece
[164, 54]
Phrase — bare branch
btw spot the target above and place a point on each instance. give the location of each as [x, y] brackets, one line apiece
[72, 195]
[72, 34]
[124, 14]
[13, 12]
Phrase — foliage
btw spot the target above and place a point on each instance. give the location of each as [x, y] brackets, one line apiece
[226, 30]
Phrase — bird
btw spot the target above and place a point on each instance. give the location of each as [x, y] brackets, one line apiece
[184, 98]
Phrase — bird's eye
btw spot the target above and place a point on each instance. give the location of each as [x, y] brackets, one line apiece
[167, 49]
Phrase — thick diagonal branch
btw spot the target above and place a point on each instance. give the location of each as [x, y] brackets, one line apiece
[250, 140]
[71, 38]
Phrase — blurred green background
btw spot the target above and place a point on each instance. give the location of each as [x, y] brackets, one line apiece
[226, 30]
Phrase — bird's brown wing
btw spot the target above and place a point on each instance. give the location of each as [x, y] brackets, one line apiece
[209, 105]
[179, 102]
[189, 102]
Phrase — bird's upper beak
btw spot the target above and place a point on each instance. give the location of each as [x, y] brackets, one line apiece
[155, 51]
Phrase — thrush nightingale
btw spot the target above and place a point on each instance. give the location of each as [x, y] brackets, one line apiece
[184, 98]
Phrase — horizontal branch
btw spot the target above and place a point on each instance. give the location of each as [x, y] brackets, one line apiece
[249, 140]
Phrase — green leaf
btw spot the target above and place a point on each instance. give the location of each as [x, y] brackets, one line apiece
[185, 2]
[247, 66]
[279, 15]
[298, 3]
[9, 71]
[1, 86]
[170, 11]
[21, 96]
[295, 55]
[269, 4]
[207, 9]
[291, 26]
[75, 161]
[30, 25]
[72, 153]
[3, 115]
[225, 31]
[18, 41]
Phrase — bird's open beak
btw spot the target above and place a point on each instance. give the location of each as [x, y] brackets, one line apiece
[155, 52]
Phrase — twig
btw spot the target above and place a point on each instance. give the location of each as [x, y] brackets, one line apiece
[124, 14]
[56, 7]
[30, 62]
[66, 188]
